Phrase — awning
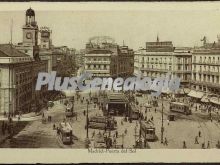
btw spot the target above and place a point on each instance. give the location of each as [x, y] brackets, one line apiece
[215, 100]
[196, 94]
[69, 93]
[205, 99]
[183, 91]
[166, 91]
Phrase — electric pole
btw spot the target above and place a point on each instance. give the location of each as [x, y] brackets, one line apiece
[162, 128]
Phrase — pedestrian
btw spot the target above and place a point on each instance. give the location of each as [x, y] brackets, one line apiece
[199, 133]
[115, 141]
[155, 110]
[54, 126]
[58, 131]
[203, 145]
[6, 126]
[208, 145]
[84, 112]
[93, 134]
[126, 131]
[165, 141]
[152, 118]
[184, 144]
[3, 127]
[196, 140]
[116, 133]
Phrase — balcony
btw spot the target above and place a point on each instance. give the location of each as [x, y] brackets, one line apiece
[97, 71]
[209, 84]
[97, 62]
[154, 70]
[211, 73]
[183, 71]
[216, 63]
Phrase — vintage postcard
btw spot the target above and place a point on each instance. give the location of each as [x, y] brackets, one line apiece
[109, 82]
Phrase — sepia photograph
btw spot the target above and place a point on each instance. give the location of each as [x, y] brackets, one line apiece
[110, 80]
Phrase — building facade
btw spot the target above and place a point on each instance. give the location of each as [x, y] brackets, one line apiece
[206, 71]
[105, 58]
[15, 80]
[160, 58]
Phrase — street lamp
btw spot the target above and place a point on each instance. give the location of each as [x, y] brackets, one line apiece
[87, 120]
[162, 128]
[135, 133]
[122, 140]
[87, 128]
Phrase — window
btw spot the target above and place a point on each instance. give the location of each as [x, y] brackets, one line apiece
[169, 67]
[194, 58]
[199, 77]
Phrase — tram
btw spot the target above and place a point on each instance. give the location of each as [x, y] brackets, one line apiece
[148, 130]
[65, 132]
[102, 122]
[180, 107]
[69, 111]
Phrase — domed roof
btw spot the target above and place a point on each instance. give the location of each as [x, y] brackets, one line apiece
[30, 12]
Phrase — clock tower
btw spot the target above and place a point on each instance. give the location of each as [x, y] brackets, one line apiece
[30, 36]
[30, 29]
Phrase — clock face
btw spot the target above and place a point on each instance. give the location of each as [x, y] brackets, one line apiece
[28, 35]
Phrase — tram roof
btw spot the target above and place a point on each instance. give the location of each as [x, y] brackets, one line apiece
[66, 126]
[179, 103]
[117, 98]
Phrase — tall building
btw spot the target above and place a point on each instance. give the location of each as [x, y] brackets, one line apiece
[160, 58]
[105, 58]
[182, 65]
[15, 80]
[45, 51]
[206, 71]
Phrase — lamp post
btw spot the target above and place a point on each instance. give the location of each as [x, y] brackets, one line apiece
[87, 120]
[135, 133]
[87, 129]
[162, 128]
[122, 139]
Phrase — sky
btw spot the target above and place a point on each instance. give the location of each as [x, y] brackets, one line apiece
[73, 28]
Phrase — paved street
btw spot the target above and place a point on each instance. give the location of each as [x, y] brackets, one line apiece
[184, 128]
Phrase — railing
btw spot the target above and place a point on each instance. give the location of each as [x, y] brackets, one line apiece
[210, 84]
[97, 62]
[183, 71]
[154, 69]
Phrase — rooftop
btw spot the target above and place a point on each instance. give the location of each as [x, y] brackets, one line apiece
[100, 51]
[8, 50]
